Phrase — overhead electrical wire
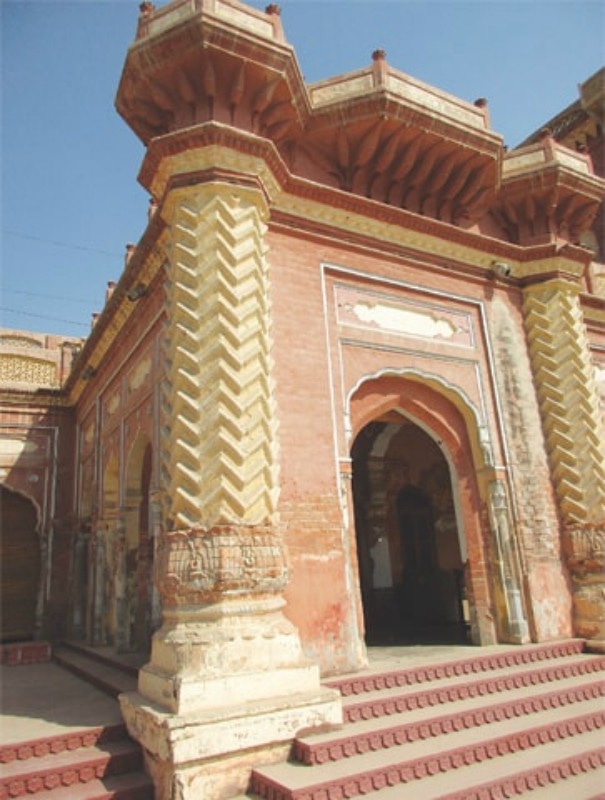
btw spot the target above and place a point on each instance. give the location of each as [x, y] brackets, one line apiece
[67, 245]
[49, 296]
[43, 316]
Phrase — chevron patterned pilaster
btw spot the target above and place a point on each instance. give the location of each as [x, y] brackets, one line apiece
[225, 647]
[565, 383]
[566, 387]
[219, 449]
[221, 563]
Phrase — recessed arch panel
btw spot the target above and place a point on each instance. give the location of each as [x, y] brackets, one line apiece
[20, 565]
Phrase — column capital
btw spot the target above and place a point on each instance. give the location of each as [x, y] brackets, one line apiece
[566, 266]
[212, 151]
[231, 186]
[202, 566]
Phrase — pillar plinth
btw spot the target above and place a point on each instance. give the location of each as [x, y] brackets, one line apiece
[227, 685]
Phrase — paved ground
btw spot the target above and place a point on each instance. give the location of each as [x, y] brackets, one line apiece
[39, 700]
[382, 659]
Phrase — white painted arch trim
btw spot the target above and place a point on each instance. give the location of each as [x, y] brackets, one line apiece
[444, 387]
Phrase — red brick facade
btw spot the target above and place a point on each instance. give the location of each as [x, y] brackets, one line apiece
[403, 262]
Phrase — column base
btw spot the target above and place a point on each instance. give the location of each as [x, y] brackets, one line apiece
[227, 688]
[218, 658]
[589, 607]
[211, 753]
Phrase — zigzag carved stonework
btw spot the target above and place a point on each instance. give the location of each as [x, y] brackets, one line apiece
[219, 447]
[568, 398]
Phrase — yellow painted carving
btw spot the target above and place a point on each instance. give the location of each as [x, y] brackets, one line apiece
[569, 401]
[21, 369]
[219, 449]
[139, 375]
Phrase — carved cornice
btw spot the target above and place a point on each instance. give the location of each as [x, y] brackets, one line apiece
[548, 192]
[142, 270]
[190, 156]
[376, 132]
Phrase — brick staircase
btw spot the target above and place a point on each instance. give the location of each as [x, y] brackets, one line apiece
[94, 763]
[100, 667]
[528, 719]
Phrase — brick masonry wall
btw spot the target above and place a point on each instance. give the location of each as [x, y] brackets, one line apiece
[309, 352]
[535, 508]
[319, 602]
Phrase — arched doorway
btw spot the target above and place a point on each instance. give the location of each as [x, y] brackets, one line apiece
[409, 548]
[19, 566]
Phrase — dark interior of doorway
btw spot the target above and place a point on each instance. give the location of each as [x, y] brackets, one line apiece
[411, 571]
[19, 567]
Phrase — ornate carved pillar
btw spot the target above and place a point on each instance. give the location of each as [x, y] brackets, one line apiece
[565, 381]
[97, 629]
[226, 663]
[155, 518]
[80, 572]
[508, 564]
[121, 634]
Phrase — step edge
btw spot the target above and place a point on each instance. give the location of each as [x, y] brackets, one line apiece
[455, 757]
[92, 655]
[527, 780]
[517, 680]
[314, 749]
[103, 788]
[523, 654]
[78, 759]
[112, 684]
[25, 750]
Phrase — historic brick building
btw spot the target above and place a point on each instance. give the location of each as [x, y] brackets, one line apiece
[345, 390]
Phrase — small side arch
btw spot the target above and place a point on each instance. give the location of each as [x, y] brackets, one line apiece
[20, 565]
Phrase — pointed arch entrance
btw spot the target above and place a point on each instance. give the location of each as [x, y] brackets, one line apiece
[422, 540]
[20, 565]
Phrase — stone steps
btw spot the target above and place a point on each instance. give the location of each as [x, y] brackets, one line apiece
[447, 690]
[93, 763]
[509, 719]
[108, 674]
[567, 770]
[424, 723]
